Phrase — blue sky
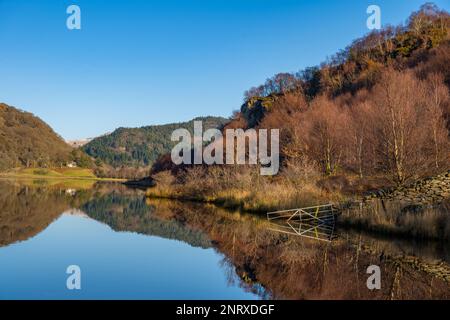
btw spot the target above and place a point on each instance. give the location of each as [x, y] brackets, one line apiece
[141, 62]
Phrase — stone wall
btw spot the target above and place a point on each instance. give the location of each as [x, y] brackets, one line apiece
[426, 191]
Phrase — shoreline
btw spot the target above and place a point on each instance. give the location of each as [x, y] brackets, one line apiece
[345, 222]
[225, 203]
[43, 177]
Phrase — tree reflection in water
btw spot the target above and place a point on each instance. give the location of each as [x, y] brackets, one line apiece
[316, 223]
[270, 264]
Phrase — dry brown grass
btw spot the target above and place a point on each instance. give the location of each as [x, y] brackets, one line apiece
[240, 188]
[392, 218]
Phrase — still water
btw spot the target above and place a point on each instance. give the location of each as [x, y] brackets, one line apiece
[114, 264]
[129, 247]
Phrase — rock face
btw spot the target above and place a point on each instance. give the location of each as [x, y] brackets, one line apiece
[427, 191]
[255, 108]
[144, 183]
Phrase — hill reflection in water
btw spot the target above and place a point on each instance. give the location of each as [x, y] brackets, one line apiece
[216, 253]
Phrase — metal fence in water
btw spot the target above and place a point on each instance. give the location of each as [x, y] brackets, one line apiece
[317, 222]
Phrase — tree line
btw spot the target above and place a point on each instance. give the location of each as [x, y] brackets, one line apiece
[378, 109]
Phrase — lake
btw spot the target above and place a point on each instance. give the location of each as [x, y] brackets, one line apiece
[130, 247]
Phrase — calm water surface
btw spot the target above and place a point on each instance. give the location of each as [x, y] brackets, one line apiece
[129, 247]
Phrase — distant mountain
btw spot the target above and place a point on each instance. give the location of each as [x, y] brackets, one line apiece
[27, 141]
[78, 143]
[140, 147]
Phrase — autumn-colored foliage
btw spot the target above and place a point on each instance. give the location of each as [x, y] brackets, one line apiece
[375, 114]
[380, 107]
[27, 141]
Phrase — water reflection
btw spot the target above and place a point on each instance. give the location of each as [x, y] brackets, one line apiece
[292, 267]
[150, 259]
[126, 210]
[316, 223]
[169, 249]
[27, 209]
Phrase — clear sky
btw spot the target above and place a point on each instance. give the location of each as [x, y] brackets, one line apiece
[141, 62]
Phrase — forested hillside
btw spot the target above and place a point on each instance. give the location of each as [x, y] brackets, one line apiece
[27, 141]
[379, 107]
[140, 147]
[376, 114]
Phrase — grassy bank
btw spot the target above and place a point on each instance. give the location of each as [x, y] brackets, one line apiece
[53, 173]
[248, 192]
[396, 218]
[431, 223]
[240, 190]
[247, 201]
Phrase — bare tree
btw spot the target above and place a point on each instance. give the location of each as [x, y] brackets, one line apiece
[324, 125]
[437, 97]
[408, 126]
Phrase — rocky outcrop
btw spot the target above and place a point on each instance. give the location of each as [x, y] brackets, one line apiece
[144, 183]
[427, 191]
[255, 108]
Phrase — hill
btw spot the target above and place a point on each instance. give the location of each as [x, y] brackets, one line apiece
[27, 141]
[140, 147]
[375, 115]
